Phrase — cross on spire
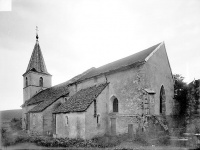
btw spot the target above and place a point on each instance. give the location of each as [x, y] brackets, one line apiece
[37, 37]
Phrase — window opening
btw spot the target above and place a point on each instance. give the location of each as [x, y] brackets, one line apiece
[162, 100]
[26, 81]
[95, 108]
[66, 120]
[98, 118]
[115, 105]
[41, 81]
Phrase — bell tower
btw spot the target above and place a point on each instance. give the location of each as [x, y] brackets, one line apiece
[36, 77]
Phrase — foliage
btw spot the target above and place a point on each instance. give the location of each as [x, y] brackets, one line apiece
[109, 141]
[14, 120]
[3, 135]
[3, 131]
[164, 140]
[141, 138]
[6, 138]
[180, 90]
[193, 97]
[100, 142]
[16, 124]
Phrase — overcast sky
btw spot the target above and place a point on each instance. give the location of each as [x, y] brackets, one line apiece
[75, 35]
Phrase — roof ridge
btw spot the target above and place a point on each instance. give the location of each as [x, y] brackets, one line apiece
[155, 50]
[44, 104]
[133, 59]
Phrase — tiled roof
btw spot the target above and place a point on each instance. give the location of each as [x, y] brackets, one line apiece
[81, 100]
[36, 62]
[130, 60]
[50, 95]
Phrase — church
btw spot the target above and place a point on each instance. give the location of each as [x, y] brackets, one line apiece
[124, 96]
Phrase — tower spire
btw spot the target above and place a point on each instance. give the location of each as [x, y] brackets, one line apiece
[37, 37]
[36, 62]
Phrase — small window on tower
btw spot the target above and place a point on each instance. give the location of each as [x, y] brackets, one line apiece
[41, 81]
[26, 81]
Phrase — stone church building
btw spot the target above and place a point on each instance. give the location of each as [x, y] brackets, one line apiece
[116, 98]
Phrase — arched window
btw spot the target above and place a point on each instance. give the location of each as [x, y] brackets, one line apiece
[41, 81]
[115, 105]
[162, 100]
[26, 81]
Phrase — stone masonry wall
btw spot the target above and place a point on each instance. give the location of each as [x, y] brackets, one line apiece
[71, 125]
[43, 120]
[48, 117]
[24, 111]
[36, 123]
[158, 73]
[33, 82]
[92, 127]
[127, 88]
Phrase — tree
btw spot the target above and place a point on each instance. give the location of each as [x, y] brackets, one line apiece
[180, 95]
[193, 98]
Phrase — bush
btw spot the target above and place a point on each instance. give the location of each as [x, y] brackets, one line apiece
[7, 139]
[164, 141]
[141, 139]
[109, 141]
[16, 124]
[100, 142]
[3, 132]
[14, 120]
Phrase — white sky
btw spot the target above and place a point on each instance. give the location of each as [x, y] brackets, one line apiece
[75, 35]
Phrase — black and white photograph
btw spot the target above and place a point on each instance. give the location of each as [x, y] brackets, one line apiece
[100, 74]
